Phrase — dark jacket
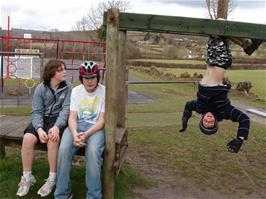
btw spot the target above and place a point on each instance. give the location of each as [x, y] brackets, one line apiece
[214, 99]
[49, 103]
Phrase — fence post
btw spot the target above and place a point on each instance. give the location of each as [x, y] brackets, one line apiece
[122, 77]
[2, 149]
[112, 99]
[2, 68]
[57, 50]
[2, 75]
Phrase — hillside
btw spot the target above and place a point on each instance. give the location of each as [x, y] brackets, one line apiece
[62, 35]
[143, 45]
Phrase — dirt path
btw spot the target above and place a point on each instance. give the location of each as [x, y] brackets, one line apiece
[253, 117]
[167, 183]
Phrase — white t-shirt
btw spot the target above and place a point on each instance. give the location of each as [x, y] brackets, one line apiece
[88, 105]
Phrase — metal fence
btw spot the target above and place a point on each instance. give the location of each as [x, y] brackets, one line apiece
[23, 58]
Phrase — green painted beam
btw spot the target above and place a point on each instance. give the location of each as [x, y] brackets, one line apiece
[191, 26]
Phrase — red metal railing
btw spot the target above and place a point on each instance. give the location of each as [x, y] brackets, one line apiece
[73, 52]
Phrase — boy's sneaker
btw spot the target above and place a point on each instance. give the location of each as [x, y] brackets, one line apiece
[70, 196]
[255, 43]
[47, 188]
[24, 185]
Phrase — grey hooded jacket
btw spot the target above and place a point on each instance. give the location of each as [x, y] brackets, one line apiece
[49, 103]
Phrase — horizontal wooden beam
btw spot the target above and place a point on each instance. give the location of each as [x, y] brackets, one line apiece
[191, 26]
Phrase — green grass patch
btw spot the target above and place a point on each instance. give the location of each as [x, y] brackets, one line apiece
[173, 61]
[127, 179]
[256, 77]
[170, 97]
[11, 170]
[204, 160]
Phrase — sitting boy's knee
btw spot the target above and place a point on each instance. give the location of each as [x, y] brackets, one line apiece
[29, 139]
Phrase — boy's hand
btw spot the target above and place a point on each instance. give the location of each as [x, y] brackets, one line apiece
[77, 141]
[184, 124]
[53, 134]
[42, 136]
[235, 145]
[82, 136]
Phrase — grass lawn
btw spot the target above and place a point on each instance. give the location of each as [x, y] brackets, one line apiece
[204, 160]
[11, 169]
[171, 61]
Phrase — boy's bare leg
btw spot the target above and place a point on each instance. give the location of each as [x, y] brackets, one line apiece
[27, 151]
[52, 151]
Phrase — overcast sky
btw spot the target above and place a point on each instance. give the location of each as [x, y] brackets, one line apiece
[62, 14]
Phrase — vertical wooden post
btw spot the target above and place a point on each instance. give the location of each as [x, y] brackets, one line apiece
[122, 78]
[112, 98]
[222, 12]
[41, 66]
[2, 149]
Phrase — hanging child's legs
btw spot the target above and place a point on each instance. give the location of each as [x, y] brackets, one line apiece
[218, 52]
[255, 43]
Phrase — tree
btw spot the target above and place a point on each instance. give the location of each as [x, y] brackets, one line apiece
[94, 18]
[81, 25]
[214, 5]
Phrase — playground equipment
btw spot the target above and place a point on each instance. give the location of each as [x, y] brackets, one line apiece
[116, 72]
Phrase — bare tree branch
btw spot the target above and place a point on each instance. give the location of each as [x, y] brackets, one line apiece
[94, 18]
[209, 8]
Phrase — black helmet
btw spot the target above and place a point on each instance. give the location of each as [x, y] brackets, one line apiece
[208, 131]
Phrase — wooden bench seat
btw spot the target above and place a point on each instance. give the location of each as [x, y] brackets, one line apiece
[11, 134]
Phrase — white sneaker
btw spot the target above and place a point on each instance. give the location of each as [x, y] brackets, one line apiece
[47, 188]
[24, 185]
[70, 196]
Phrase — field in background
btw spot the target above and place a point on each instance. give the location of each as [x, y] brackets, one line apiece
[169, 61]
[256, 77]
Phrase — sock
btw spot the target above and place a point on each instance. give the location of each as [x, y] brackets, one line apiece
[52, 176]
[27, 175]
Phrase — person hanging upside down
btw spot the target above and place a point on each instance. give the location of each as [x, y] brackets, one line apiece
[212, 101]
